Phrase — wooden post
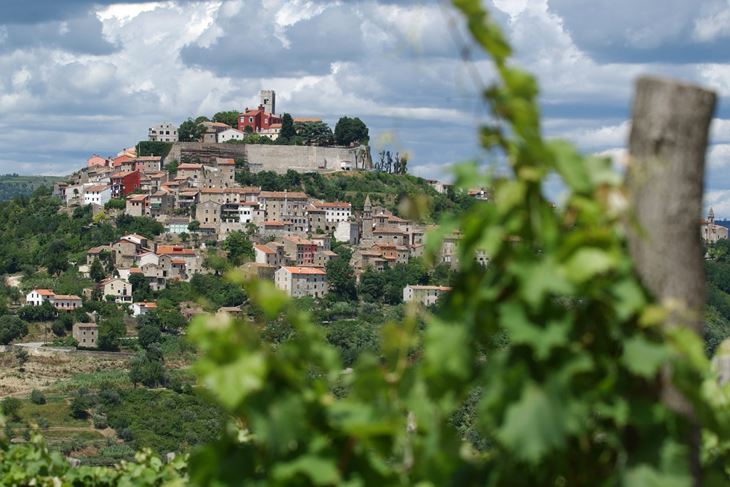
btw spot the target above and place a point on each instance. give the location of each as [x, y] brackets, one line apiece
[665, 181]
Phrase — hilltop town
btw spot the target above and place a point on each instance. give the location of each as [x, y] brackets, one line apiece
[210, 217]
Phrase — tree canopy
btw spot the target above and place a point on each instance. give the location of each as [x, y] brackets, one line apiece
[351, 131]
[190, 130]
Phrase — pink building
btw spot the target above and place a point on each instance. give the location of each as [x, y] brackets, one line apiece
[96, 161]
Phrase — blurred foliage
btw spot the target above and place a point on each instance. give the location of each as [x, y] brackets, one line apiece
[544, 368]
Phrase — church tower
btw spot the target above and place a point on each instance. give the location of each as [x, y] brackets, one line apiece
[711, 217]
[367, 220]
[268, 101]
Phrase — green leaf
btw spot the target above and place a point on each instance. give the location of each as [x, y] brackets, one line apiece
[320, 471]
[533, 425]
[569, 164]
[645, 476]
[232, 382]
[588, 262]
[447, 350]
[523, 331]
[643, 357]
[540, 279]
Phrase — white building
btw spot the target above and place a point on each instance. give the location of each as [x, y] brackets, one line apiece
[97, 194]
[230, 134]
[336, 211]
[39, 296]
[139, 309]
[302, 281]
[426, 295]
[163, 132]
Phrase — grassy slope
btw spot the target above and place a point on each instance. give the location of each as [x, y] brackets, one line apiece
[14, 185]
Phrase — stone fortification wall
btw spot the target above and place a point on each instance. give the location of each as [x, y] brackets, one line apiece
[277, 158]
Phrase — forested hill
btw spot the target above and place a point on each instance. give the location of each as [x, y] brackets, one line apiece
[12, 185]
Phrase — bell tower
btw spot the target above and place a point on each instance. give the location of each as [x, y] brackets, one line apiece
[268, 101]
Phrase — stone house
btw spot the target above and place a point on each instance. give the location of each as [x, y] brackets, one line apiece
[302, 281]
[86, 335]
[119, 289]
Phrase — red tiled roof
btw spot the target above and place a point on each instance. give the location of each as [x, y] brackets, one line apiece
[297, 195]
[173, 250]
[97, 188]
[123, 174]
[430, 288]
[306, 270]
[189, 166]
[67, 297]
[333, 204]
[45, 292]
[264, 249]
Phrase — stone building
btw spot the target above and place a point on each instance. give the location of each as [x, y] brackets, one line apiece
[86, 335]
[163, 132]
[302, 281]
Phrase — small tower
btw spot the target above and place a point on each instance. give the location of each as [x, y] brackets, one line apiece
[367, 220]
[711, 217]
[268, 101]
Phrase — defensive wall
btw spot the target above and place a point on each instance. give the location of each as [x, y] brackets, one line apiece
[277, 158]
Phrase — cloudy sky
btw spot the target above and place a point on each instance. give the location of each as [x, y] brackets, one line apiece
[79, 77]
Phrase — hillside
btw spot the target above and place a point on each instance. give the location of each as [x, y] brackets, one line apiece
[12, 185]
[388, 190]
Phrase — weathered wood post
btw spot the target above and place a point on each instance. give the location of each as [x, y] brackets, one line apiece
[665, 181]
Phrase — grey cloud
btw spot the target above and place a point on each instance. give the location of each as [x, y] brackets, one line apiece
[645, 30]
[81, 34]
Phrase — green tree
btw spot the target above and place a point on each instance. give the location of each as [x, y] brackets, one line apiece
[141, 290]
[194, 226]
[190, 130]
[314, 133]
[149, 334]
[12, 328]
[239, 248]
[287, 132]
[372, 284]
[216, 263]
[110, 331]
[228, 118]
[96, 272]
[341, 279]
[351, 131]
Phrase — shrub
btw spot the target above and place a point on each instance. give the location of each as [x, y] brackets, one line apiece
[100, 421]
[37, 397]
[11, 406]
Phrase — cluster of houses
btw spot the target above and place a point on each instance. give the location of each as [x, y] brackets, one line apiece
[293, 232]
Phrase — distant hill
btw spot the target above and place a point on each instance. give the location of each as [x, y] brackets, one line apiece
[12, 185]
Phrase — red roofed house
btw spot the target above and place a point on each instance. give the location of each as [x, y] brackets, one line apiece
[39, 296]
[302, 281]
[139, 309]
[124, 183]
[257, 119]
